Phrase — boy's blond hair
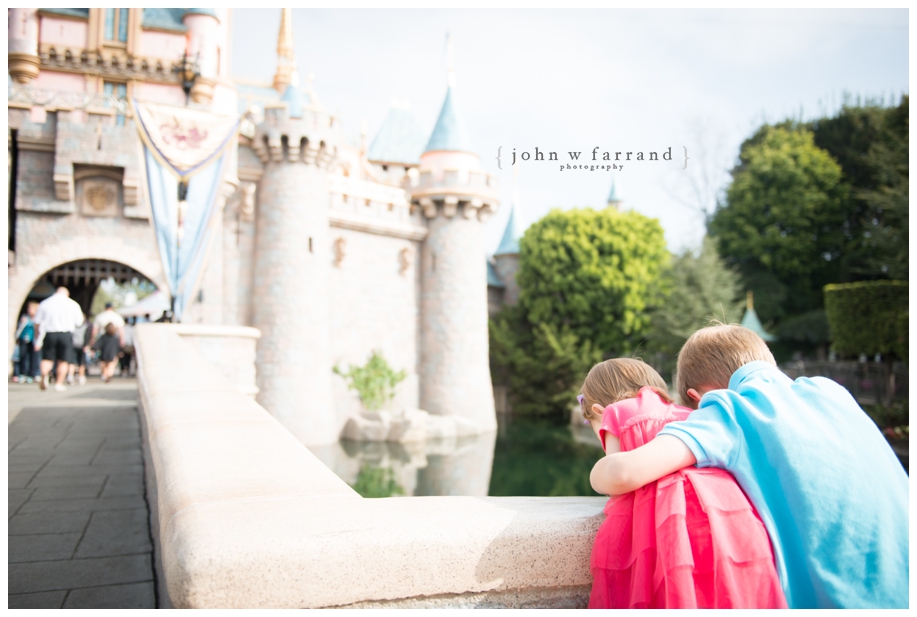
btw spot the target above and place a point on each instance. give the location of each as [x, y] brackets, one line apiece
[711, 355]
[618, 379]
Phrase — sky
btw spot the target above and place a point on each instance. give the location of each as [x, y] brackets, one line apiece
[573, 80]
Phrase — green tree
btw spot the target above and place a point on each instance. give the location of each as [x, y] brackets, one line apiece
[593, 274]
[587, 281]
[782, 224]
[701, 288]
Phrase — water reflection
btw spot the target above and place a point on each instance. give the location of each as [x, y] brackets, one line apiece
[456, 466]
[523, 458]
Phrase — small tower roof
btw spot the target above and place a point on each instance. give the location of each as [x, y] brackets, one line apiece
[751, 321]
[613, 195]
[399, 140]
[509, 244]
[449, 133]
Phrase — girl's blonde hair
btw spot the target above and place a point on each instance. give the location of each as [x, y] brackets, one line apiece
[618, 379]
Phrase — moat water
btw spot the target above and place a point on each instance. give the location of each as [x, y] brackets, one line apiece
[523, 458]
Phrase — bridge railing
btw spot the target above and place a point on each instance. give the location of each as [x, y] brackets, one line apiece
[243, 515]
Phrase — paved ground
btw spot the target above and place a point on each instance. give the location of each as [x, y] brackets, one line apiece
[78, 520]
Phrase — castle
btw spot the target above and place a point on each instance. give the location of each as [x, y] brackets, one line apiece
[331, 250]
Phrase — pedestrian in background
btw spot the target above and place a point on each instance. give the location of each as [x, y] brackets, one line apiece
[127, 350]
[81, 337]
[109, 347]
[108, 316]
[28, 365]
[56, 319]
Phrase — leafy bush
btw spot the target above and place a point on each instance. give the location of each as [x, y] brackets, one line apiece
[866, 317]
[374, 383]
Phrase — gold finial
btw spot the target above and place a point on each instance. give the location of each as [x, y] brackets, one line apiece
[286, 63]
[749, 300]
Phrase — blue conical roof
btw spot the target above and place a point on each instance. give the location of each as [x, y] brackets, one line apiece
[613, 195]
[449, 133]
[400, 140]
[509, 245]
[751, 321]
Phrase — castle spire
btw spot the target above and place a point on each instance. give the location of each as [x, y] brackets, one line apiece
[286, 62]
[509, 244]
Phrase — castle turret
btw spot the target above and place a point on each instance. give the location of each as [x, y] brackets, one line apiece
[506, 257]
[203, 43]
[455, 196]
[290, 305]
[23, 45]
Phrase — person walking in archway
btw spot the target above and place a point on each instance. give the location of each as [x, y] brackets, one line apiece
[108, 316]
[56, 319]
[81, 337]
[28, 366]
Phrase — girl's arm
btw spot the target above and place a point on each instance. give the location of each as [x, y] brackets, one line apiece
[623, 472]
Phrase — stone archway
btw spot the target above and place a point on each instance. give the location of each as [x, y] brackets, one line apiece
[27, 272]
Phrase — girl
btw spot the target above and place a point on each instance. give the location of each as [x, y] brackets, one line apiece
[109, 344]
[689, 540]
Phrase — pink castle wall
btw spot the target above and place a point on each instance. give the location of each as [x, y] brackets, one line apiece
[52, 80]
[155, 44]
[160, 93]
[64, 32]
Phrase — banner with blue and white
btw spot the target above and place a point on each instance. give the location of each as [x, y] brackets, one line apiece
[190, 147]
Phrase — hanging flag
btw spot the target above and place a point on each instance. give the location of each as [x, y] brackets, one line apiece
[185, 155]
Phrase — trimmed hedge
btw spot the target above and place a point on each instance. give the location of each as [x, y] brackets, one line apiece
[868, 317]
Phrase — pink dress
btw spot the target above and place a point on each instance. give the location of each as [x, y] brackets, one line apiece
[689, 540]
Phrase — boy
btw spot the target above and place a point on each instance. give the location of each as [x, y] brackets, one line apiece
[831, 492]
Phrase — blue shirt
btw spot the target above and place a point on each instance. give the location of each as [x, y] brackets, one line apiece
[831, 492]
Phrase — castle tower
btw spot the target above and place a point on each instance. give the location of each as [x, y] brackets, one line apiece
[455, 196]
[286, 63]
[292, 257]
[506, 257]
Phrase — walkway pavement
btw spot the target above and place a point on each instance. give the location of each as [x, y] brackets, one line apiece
[79, 533]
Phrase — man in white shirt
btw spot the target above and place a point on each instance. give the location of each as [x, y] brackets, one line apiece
[103, 319]
[57, 317]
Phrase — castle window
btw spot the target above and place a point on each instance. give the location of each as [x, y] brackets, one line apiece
[116, 25]
[117, 90]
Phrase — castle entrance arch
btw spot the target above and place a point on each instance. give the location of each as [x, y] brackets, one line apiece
[82, 278]
[81, 267]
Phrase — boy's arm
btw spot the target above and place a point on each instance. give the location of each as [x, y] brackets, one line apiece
[623, 472]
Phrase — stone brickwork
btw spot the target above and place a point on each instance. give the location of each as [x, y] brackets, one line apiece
[374, 297]
[455, 370]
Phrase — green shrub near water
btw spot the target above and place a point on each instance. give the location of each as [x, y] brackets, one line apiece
[374, 383]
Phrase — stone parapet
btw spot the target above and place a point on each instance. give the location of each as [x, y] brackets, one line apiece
[471, 192]
[231, 349]
[244, 516]
[311, 139]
